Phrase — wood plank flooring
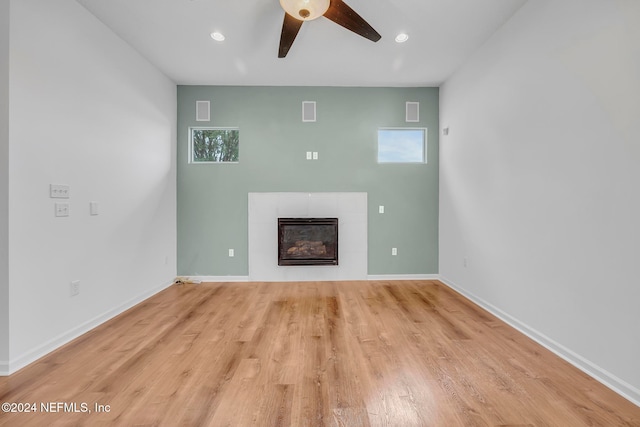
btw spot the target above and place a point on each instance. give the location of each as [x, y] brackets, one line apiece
[411, 353]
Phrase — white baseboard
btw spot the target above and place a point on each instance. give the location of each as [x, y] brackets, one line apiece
[4, 368]
[20, 362]
[403, 277]
[616, 384]
[369, 277]
[218, 278]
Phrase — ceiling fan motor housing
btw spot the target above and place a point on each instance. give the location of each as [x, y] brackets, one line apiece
[305, 10]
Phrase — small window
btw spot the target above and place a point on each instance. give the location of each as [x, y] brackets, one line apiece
[214, 145]
[402, 145]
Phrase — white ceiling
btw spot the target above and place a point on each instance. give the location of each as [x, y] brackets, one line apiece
[174, 35]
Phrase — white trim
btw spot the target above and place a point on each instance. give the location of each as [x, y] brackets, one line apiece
[214, 279]
[403, 277]
[64, 338]
[4, 368]
[217, 278]
[606, 378]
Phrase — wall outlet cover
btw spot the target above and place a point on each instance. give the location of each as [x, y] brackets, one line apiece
[74, 288]
[94, 208]
[62, 209]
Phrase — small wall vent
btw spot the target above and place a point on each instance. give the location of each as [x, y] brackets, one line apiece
[308, 111]
[412, 113]
[203, 111]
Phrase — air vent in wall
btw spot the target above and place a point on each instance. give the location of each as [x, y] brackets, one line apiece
[412, 112]
[308, 111]
[203, 111]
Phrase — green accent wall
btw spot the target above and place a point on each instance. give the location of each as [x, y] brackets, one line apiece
[213, 198]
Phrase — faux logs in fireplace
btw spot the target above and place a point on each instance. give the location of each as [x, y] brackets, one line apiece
[307, 241]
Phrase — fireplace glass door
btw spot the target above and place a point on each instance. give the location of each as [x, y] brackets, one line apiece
[307, 241]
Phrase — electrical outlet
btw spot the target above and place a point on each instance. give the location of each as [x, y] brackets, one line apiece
[380, 209]
[62, 209]
[315, 155]
[309, 155]
[394, 251]
[74, 288]
[232, 253]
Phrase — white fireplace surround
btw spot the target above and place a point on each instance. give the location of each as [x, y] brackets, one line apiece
[266, 208]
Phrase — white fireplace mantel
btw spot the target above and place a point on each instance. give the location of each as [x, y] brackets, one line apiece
[266, 208]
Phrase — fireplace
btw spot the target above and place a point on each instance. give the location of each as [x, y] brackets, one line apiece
[307, 241]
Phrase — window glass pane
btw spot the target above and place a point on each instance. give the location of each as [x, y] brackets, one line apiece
[401, 146]
[215, 145]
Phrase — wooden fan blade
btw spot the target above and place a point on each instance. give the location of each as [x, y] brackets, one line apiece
[340, 13]
[290, 28]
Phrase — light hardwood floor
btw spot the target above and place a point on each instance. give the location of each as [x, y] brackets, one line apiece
[411, 353]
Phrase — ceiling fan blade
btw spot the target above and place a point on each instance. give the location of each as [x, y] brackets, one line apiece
[340, 13]
[290, 28]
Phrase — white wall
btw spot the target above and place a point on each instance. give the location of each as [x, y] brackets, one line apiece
[539, 181]
[85, 110]
[4, 185]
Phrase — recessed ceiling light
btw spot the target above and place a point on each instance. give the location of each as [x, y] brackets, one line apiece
[402, 37]
[217, 36]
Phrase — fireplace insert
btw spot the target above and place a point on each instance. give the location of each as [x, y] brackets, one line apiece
[307, 241]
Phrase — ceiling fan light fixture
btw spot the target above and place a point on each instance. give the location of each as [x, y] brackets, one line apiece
[305, 10]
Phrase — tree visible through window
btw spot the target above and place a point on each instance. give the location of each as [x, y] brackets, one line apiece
[214, 145]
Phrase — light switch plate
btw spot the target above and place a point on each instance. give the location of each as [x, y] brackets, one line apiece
[309, 155]
[380, 209]
[315, 155]
[58, 191]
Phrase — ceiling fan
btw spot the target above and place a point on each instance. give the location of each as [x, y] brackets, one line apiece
[298, 11]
